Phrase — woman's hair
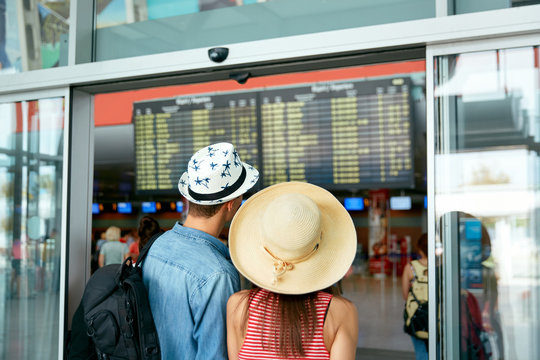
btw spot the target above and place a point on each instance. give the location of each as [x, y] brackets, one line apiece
[291, 318]
[112, 233]
[421, 244]
[148, 226]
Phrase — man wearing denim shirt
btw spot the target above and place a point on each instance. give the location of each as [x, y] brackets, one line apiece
[188, 270]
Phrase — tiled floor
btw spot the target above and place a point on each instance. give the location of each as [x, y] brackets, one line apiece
[29, 320]
[375, 354]
[380, 312]
[33, 327]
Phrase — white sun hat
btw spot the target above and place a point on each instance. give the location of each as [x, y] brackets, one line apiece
[292, 238]
[215, 174]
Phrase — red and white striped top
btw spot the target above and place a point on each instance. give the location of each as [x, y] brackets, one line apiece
[253, 348]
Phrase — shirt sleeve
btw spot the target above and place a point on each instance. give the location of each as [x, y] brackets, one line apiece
[209, 311]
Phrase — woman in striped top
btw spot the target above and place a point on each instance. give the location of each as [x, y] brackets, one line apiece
[293, 241]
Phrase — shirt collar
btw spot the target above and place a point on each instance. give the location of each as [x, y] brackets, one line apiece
[215, 242]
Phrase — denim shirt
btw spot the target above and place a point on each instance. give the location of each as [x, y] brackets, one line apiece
[189, 277]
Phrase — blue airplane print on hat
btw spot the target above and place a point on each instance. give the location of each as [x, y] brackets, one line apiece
[215, 174]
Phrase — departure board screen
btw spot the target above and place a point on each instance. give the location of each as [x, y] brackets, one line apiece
[169, 131]
[339, 135]
[346, 135]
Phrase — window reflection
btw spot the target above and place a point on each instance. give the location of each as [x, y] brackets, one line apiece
[33, 34]
[139, 27]
[487, 167]
[31, 151]
[118, 12]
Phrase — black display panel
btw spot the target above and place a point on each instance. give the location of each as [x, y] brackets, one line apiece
[169, 131]
[346, 135]
[342, 135]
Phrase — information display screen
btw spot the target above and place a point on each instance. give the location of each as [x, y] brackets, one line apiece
[339, 135]
[169, 131]
[346, 135]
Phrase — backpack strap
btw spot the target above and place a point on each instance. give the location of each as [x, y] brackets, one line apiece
[414, 296]
[146, 247]
[413, 271]
[418, 267]
[410, 288]
[147, 339]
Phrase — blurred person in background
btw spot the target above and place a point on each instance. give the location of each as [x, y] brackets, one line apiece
[113, 251]
[148, 227]
[414, 285]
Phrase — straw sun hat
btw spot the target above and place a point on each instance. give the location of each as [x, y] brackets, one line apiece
[292, 238]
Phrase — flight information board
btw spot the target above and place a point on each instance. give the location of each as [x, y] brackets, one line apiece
[169, 131]
[349, 135]
[340, 135]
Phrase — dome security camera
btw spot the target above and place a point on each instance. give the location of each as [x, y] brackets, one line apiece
[240, 77]
[218, 54]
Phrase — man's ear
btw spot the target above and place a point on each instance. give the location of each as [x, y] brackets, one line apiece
[230, 204]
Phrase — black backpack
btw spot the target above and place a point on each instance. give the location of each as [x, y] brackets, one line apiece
[116, 315]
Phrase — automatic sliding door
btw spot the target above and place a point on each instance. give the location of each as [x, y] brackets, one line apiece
[487, 202]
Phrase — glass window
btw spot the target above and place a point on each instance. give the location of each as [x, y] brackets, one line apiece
[31, 152]
[33, 35]
[487, 195]
[468, 6]
[131, 28]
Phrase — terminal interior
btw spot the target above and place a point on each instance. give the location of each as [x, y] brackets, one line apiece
[358, 131]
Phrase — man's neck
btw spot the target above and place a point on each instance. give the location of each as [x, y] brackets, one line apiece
[212, 226]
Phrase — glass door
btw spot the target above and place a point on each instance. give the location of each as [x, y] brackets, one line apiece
[31, 186]
[486, 182]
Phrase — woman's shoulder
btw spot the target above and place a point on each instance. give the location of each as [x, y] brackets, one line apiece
[408, 271]
[342, 318]
[342, 305]
[236, 305]
[238, 298]
[341, 311]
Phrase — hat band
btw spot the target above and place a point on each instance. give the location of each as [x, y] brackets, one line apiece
[220, 194]
[282, 266]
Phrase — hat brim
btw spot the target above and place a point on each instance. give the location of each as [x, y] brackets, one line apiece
[321, 270]
[252, 176]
